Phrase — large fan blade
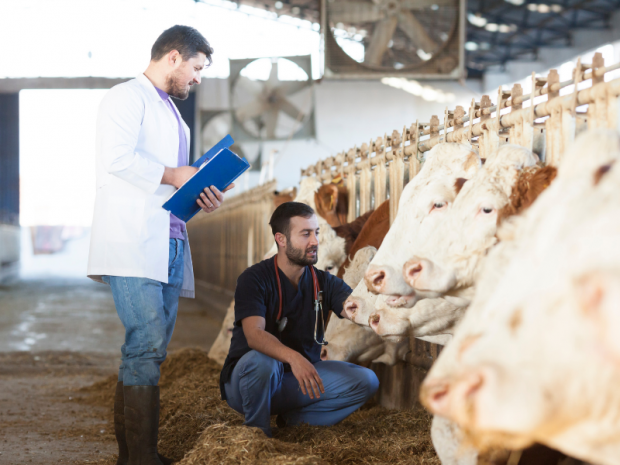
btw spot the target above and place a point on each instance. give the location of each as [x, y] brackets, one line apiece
[381, 37]
[419, 4]
[290, 109]
[251, 87]
[273, 75]
[251, 110]
[271, 120]
[411, 26]
[292, 87]
[354, 12]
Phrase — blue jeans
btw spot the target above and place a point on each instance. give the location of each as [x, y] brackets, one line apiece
[148, 311]
[259, 388]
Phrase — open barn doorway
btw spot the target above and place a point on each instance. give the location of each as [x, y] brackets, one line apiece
[57, 179]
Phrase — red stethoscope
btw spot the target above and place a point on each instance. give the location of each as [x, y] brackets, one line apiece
[318, 304]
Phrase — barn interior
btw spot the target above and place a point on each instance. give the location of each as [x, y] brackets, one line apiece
[307, 89]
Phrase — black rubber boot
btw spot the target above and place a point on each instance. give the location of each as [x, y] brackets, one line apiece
[142, 425]
[119, 425]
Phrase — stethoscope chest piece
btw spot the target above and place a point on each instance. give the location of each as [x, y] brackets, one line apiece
[282, 324]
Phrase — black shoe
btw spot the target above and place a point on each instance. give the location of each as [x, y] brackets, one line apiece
[281, 422]
[141, 425]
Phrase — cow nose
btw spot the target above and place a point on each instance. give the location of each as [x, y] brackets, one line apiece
[373, 321]
[412, 270]
[376, 279]
[434, 395]
[324, 353]
[351, 306]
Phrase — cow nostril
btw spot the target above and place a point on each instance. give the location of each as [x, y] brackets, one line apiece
[374, 319]
[350, 308]
[324, 354]
[378, 278]
[412, 270]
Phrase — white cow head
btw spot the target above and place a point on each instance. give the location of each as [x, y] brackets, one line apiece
[424, 201]
[536, 356]
[347, 341]
[428, 317]
[448, 260]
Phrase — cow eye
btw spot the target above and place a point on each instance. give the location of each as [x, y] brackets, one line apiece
[329, 268]
[487, 210]
[439, 205]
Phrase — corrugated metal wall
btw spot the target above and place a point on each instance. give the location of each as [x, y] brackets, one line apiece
[9, 158]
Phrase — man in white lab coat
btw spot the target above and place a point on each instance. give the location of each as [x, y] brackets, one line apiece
[137, 247]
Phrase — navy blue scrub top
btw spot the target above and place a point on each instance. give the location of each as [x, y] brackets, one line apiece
[257, 295]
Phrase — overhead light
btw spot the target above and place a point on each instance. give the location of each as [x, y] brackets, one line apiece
[476, 19]
[542, 8]
[506, 28]
[434, 7]
[532, 7]
[485, 46]
[471, 46]
[491, 27]
[428, 93]
[279, 5]
[516, 2]
[295, 10]
[556, 8]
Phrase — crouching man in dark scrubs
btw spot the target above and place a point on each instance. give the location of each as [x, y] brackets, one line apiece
[274, 366]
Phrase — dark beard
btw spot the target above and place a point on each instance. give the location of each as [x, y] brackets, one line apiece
[175, 88]
[298, 256]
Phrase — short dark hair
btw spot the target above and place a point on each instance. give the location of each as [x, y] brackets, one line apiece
[185, 40]
[280, 221]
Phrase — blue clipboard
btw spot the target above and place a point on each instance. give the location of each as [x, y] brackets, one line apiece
[221, 168]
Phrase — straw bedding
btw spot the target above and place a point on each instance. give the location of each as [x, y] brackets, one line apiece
[196, 427]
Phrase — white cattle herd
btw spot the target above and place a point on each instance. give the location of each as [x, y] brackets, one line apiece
[515, 267]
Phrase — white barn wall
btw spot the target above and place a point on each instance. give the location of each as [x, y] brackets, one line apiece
[347, 113]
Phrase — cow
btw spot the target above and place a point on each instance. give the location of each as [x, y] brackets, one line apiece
[446, 263]
[510, 377]
[347, 341]
[424, 201]
[506, 184]
[372, 233]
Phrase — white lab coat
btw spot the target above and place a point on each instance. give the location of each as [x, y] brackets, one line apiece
[137, 136]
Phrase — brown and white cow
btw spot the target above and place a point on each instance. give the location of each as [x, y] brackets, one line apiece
[423, 202]
[458, 242]
[533, 359]
[446, 263]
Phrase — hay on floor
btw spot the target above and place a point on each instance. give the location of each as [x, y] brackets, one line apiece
[196, 427]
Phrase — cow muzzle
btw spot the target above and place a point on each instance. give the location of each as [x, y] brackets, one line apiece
[355, 309]
[427, 278]
[383, 279]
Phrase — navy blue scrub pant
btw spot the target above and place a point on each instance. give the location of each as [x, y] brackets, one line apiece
[259, 388]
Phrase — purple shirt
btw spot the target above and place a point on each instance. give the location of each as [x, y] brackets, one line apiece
[177, 227]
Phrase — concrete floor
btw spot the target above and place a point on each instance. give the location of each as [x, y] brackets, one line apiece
[56, 336]
[77, 314]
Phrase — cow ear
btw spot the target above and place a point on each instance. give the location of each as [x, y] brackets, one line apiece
[326, 198]
[471, 163]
